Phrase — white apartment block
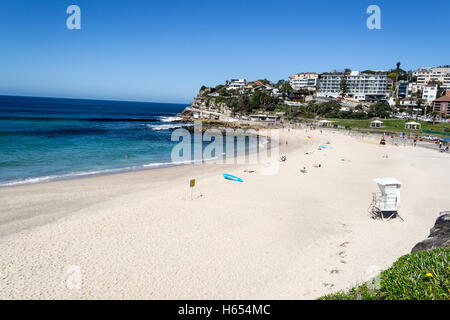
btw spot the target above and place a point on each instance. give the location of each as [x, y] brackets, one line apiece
[330, 85]
[236, 84]
[304, 80]
[426, 75]
[429, 93]
[446, 82]
[362, 86]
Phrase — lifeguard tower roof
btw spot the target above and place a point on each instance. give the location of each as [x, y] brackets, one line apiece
[387, 181]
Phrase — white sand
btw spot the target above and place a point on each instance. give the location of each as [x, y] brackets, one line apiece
[286, 236]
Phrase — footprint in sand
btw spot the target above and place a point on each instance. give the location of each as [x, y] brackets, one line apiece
[344, 244]
[334, 271]
[343, 254]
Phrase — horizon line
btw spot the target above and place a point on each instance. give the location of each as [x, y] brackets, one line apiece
[92, 99]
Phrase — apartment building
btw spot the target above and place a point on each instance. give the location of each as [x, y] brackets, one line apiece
[430, 93]
[426, 75]
[305, 80]
[442, 105]
[362, 86]
[236, 84]
[329, 84]
[404, 89]
[446, 82]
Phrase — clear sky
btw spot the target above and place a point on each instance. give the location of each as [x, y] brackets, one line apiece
[165, 50]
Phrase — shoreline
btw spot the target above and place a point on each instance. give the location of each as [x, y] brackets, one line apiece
[284, 236]
[142, 167]
[9, 225]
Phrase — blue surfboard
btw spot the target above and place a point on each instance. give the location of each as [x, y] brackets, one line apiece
[232, 178]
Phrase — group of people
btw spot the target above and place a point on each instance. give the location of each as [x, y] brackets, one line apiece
[441, 147]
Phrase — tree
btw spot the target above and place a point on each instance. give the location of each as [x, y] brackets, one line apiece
[286, 87]
[434, 115]
[419, 106]
[397, 104]
[264, 81]
[344, 86]
[380, 109]
[280, 83]
[243, 104]
[393, 75]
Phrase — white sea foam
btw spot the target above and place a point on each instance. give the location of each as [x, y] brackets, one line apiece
[82, 174]
[169, 119]
[158, 127]
[61, 177]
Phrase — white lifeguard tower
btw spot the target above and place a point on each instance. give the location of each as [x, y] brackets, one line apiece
[385, 204]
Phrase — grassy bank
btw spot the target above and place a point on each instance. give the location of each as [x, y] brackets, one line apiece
[391, 125]
[423, 275]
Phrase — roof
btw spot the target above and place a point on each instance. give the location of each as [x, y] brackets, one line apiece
[325, 121]
[377, 121]
[445, 98]
[412, 122]
[387, 181]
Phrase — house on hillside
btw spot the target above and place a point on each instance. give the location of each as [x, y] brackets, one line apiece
[430, 92]
[441, 105]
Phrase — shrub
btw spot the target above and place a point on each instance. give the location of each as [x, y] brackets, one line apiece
[420, 275]
[423, 275]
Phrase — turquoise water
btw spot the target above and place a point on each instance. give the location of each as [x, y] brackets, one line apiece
[44, 139]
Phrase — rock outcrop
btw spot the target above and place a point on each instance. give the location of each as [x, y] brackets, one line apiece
[439, 234]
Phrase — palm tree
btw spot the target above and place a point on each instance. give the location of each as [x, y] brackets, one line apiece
[434, 115]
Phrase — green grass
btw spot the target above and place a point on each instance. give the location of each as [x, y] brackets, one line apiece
[423, 275]
[391, 125]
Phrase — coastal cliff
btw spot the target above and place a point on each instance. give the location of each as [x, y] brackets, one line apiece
[439, 234]
[207, 105]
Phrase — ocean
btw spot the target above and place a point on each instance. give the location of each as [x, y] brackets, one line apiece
[43, 139]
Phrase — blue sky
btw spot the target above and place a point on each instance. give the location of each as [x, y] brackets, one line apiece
[165, 50]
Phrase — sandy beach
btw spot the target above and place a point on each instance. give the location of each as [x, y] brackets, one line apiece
[138, 235]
